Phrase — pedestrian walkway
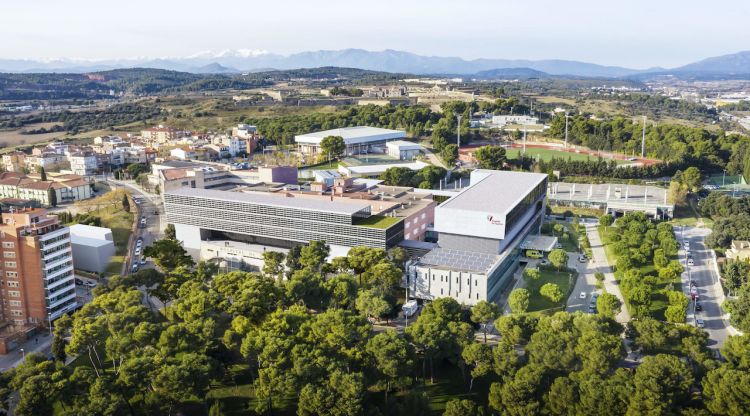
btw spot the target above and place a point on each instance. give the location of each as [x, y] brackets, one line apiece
[601, 265]
[40, 343]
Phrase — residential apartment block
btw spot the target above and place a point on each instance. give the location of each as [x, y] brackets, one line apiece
[36, 271]
[67, 188]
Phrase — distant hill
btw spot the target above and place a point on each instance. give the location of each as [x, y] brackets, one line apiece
[139, 81]
[385, 61]
[391, 61]
[510, 73]
[735, 64]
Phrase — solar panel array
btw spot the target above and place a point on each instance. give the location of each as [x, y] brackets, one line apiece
[460, 260]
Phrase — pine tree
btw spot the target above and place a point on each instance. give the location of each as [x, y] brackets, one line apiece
[125, 203]
[52, 197]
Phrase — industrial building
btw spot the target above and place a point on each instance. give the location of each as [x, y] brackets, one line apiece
[92, 247]
[480, 231]
[37, 270]
[402, 149]
[277, 219]
[358, 140]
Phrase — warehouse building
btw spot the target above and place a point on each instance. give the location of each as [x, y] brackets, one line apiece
[480, 231]
[359, 140]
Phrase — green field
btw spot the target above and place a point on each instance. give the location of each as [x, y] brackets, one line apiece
[538, 302]
[547, 154]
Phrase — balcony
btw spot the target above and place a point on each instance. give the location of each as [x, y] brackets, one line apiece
[62, 301]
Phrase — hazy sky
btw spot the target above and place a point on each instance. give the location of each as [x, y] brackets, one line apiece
[632, 33]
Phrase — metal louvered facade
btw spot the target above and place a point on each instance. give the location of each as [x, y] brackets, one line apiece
[274, 221]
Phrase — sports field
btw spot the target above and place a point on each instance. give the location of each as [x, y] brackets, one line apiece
[547, 154]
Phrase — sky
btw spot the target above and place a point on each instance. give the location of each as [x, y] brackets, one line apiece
[631, 33]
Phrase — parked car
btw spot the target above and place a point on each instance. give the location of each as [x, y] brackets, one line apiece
[582, 295]
[582, 258]
[558, 245]
[134, 268]
[78, 281]
[698, 306]
[89, 283]
[137, 251]
[691, 262]
[700, 323]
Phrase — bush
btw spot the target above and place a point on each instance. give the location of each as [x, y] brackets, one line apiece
[606, 220]
[532, 274]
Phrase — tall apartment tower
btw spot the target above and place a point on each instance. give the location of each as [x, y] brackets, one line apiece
[36, 268]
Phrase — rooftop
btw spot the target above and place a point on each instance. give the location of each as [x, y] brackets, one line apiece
[460, 260]
[494, 190]
[610, 193]
[404, 145]
[339, 206]
[377, 221]
[352, 135]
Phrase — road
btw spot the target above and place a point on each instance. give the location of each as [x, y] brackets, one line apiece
[586, 283]
[149, 207]
[710, 292]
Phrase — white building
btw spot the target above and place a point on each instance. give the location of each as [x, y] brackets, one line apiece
[183, 153]
[402, 149]
[504, 120]
[83, 164]
[244, 131]
[480, 233]
[358, 140]
[92, 247]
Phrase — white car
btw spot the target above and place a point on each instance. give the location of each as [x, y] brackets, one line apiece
[137, 251]
[89, 283]
[582, 295]
[691, 262]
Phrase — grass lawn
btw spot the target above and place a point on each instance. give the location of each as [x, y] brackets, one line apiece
[237, 395]
[576, 211]
[569, 244]
[108, 207]
[538, 302]
[377, 221]
[547, 154]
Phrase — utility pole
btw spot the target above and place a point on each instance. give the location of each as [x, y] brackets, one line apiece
[566, 129]
[524, 139]
[458, 128]
[643, 140]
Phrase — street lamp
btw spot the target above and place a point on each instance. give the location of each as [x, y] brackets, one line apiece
[23, 354]
[49, 321]
[458, 139]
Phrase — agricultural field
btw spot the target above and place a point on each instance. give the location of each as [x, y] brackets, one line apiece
[13, 138]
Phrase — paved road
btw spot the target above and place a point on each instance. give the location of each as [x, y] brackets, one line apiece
[703, 273]
[586, 283]
[599, 264]
[150, 208]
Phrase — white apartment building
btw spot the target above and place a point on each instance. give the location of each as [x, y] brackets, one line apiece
[83, 163]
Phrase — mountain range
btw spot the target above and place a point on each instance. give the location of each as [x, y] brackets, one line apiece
[235, 61]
